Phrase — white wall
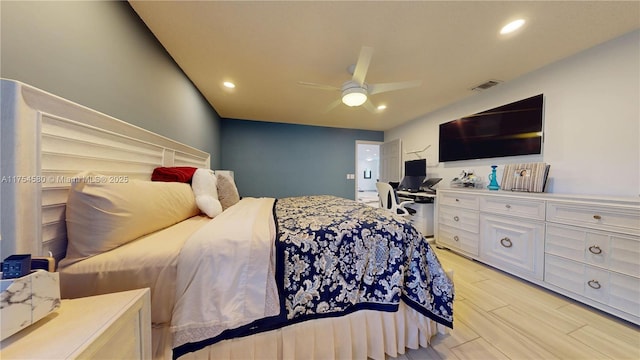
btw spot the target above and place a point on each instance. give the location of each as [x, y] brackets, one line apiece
[591, 115]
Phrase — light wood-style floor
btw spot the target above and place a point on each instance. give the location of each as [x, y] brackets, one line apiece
[498, 316]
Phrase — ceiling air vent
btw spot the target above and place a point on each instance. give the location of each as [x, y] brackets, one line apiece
[486, 85]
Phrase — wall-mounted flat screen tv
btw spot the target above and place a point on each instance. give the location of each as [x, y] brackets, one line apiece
[508, 130]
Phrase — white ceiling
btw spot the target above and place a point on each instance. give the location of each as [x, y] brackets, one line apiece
[267, 47]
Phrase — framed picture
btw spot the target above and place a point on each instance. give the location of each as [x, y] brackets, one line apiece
[530, 177]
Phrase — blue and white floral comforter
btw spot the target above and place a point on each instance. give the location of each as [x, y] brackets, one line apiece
[333, 256]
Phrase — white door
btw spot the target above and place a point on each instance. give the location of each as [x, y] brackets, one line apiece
[391, 161]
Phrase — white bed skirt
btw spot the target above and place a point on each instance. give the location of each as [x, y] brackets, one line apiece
[359, 335]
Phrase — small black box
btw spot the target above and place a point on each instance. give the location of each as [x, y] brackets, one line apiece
[16, 266]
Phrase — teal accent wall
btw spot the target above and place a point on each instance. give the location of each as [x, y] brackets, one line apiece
[101, 55]
[280, 160]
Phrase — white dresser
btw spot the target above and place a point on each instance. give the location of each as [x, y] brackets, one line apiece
[110, 326]
[584, 247]
[458, 222]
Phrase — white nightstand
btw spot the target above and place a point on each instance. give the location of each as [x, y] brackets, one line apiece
[110, 326]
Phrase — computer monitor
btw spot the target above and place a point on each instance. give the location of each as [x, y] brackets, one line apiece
[415, 171]
[415, 167]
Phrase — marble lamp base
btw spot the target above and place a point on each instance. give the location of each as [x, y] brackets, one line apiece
[25, 300]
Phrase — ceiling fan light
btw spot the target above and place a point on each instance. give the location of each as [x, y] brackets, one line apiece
[354, 97]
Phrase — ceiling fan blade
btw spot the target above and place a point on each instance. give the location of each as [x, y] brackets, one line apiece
[380, 88]
[362, 65]
[369, 106]
[318, 86]
[333, 105]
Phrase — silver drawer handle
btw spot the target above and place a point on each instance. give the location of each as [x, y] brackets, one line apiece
[597, 217]
[594, 284]
[508, 206]
[506, 242]
[456, 238]
[456, 218]
[595, 249]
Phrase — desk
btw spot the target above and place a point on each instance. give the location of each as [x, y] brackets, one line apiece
[423, 205]
[419, 197]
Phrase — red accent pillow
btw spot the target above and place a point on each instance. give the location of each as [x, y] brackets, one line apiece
[182, 174]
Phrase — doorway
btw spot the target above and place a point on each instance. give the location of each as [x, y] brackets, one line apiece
[367, 171]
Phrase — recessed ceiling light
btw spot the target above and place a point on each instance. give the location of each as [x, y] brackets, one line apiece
[512, 26]
[382, 107]
[229, 84]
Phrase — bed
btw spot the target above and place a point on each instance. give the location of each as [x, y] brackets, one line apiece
[304, 277]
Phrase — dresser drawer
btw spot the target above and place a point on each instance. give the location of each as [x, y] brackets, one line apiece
[457, 239]
[530, 209]
[458, 218]
[467, 201]
[514, 245]
[610, 288]
[625, 220]
[610, 251]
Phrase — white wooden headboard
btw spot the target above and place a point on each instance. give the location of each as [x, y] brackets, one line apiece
[46, 140]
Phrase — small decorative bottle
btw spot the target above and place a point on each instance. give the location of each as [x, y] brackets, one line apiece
[493, 182]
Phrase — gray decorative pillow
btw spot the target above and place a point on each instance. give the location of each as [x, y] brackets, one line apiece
[227, 191]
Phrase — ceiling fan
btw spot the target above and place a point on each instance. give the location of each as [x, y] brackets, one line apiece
[356, 92]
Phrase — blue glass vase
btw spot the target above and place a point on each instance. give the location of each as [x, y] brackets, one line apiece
[493, 182]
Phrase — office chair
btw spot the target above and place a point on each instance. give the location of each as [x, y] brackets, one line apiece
[389, 200]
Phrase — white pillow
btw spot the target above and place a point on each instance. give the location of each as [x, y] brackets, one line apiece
[204, 185]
